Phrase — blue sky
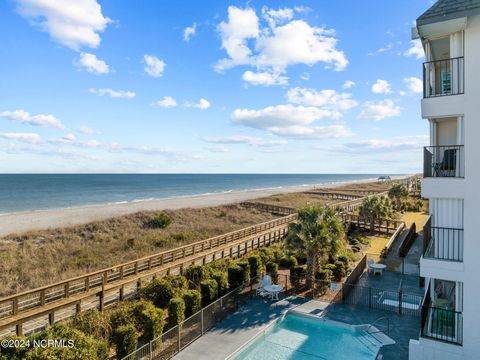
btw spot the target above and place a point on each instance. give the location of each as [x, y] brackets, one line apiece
[210, 86]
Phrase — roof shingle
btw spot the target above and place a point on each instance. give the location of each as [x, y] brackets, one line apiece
[449, 9]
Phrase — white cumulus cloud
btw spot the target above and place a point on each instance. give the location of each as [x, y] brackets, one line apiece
[381, 87]
[25, 117]
[202, 104]
[92, 64]
[327, 99]
[281, 42]
[291, 121]
[31, 138]
[376, 146]
[70, 23]
[153, 65]
[189, 31]
[112, 93]
[416, 49]
[264, 78]
[86, 130]
[379, 110]
[414, 84]
[166, 102]
[349, 84]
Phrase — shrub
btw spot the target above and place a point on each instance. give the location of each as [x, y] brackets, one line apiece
[193, 302]
[266, 254]
[220, 265]
[301, 258]
[236, 276]
[344, 259]
[297, 273]
[356, 248]
[272, 270]
[179, 283]
[255, 263]
[125, 338]
[120, 315]
[222, 282]
[176, 311]
[159, 292]
[324, 274]
[340, 271]
[198, 273]
[86, 347]
[149, 319]
[288, 262]
[161, 221]
[246, 267]
[94, 323]
[208, 288]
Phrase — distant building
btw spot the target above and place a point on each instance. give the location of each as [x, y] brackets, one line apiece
[450, 34]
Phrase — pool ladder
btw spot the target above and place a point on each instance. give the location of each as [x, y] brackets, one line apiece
[375, 322]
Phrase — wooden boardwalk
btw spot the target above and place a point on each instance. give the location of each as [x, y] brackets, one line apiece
[33, 310]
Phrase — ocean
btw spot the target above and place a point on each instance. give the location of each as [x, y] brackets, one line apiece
[27, 192]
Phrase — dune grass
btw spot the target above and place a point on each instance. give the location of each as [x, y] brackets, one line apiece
[37, 258]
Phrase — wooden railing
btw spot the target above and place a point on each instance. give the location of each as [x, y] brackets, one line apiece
[70, 292]
[274, 209]
[384, 225]
[336, 195]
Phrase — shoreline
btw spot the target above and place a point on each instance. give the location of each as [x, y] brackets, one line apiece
[19, 222]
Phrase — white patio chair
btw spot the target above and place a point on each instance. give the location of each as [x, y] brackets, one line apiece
[369, 263]
[266, 281]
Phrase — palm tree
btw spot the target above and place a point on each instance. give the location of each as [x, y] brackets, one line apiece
[317, 232]
[376, 207]
[398, 192]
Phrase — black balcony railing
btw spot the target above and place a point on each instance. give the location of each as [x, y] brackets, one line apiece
[444, 161]
[443, 77]
[441, 323]
[445, 244]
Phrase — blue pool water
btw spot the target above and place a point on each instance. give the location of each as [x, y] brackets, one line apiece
[300, 338]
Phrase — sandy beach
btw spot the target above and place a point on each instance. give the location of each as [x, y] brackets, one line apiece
[44, 219]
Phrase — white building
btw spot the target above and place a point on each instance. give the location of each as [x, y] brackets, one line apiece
[450, 324]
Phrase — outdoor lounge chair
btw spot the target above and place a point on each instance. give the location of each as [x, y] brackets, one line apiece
[266, 281]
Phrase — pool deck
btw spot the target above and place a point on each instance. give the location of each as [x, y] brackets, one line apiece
[402, 328]
[238, 329]
[250, 320]
[390, 281]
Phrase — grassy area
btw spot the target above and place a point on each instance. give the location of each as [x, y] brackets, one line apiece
[419, 218]
[38, 258]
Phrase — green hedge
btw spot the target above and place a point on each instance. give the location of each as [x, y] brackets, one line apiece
[255, 264]
[222, 282]
[237, 276]
[325, 274]
[272, 270]
[94, 323]
[288, 262]
[197, 273]
[176, 311]
[245, 266]
[297, 273]
[149, 319]
[193, 302]
[159, 292]
[125, 338]
[209, 290]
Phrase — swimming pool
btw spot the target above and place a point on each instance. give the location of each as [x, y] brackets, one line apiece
[297, 337]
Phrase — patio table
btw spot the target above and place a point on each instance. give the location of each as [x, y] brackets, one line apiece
[273, 291]
[378, 268]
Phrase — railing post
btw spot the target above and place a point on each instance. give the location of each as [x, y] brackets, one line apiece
[201, 319]
[179, 339]
[400, 296]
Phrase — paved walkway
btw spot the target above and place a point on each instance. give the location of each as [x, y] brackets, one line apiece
[238, 329]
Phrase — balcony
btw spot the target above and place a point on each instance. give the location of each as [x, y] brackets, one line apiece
[442, 243]
[444, 161]
[443, 77]
[441, 323]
